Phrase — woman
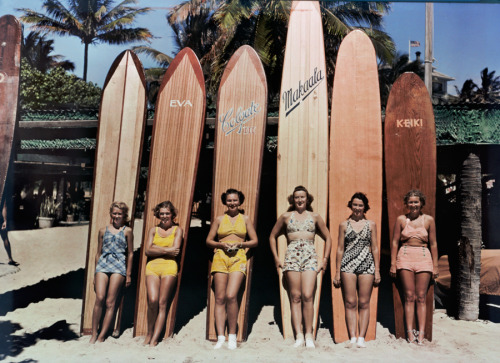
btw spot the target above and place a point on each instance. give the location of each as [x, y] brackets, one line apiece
[162, 247]
[113, 261]
[357, 264]
[301, 265]
[229, 262]
[414, 263]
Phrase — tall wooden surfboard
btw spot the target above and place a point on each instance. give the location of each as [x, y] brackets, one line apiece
[10, 61]
[173, 164]
[239, 146]
[410, 163]
[355, 153]
[303, 130]
[122, 119]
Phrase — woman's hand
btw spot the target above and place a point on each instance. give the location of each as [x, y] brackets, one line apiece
[128, 281]
[226, 247]
[392, 271]
[435, 274]
[336, 280]
[323, 265]
[278, 264]
[173, 251]
[377, 279]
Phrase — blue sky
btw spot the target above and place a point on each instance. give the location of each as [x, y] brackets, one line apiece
[465, 37]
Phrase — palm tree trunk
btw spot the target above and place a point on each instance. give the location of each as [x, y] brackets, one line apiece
[470, 242]
[85, 61]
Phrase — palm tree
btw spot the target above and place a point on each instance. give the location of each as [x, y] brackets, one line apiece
[490, 85]
[93, 21]
[469, 269]
[468, 91]
[37, 49]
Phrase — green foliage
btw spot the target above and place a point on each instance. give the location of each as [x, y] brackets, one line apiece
[54, 89]
[48, 208]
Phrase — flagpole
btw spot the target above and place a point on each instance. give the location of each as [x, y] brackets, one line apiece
[409, 49]
[429, 29]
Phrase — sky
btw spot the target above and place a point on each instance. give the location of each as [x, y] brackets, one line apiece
[465, 37]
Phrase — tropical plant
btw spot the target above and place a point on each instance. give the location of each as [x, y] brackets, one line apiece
[388, 73]
[216, 29]
[55, 88]
[93, 21]
[469, 269]
[490, 86]
[48, 207]
[37, 49]
[468, 91]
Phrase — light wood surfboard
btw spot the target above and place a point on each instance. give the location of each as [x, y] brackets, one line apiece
[410, 163]
[303, 131]
[173, 164]
[239, 146]
[10, 61]
[122, 119]
[355, 154]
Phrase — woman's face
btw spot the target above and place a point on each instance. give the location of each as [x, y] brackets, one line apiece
[232, 201]
[117, 216]
[357, 207]
[414, 204]
[300, 199]
[165, 215]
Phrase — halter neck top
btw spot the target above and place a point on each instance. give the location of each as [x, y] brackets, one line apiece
[415, 232]
[307, 225]
[238, 228]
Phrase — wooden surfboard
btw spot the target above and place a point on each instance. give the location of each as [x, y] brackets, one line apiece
[10, 61]
[355, 154]
[122, 119]
[239, 145]
[410, 163]
[173, 163]
[303, 131]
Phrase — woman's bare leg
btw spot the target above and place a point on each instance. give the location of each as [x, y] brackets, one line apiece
[100, 286]
[421, 286]
[233, 287]
[308, 287]
[153, 290]
[408, 282]
[365, 287]
[294, 282]
[220, 285]
[116, 282]
[166, 285]
[349, 286]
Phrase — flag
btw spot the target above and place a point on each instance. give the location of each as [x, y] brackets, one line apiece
[414, 43]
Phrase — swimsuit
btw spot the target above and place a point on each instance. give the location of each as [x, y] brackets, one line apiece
[414, 258]
[112, 259]
[300, 254]
[162, 266]
[358, 258]
[236, 261]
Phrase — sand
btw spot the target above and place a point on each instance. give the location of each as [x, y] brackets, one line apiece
[40, 307]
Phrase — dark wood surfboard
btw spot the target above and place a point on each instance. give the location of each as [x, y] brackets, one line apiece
[410, 163]
[173, 164]
[122, 119]
[239, 146]
[10, 61]
[355, 154]
[303, 131]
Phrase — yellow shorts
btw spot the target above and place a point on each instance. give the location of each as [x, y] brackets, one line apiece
[161, 267]
[232, 262]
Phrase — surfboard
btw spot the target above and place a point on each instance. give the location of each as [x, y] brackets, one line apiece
[239, 145]
[122, 119]
[173, 164]
[303, 131]
[355, 154]
[10, 61]
[410, 141]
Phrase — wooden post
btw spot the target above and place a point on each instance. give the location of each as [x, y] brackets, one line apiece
[429, 39]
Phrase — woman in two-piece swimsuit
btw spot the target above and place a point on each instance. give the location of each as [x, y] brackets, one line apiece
[301, 265]
[229, 263]
[416, 261]
[358, 268]
[115, 251]
[162, 248]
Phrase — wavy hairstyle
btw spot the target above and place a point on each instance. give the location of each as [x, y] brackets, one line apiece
[123, 207]
[310, 198]
[166, 204]
[415, 193]
[362, 197]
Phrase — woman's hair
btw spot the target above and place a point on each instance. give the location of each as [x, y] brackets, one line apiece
[123, 207]
[309, 201]
[415, 193]
[362, 197]
[166, 204]
[240, 194]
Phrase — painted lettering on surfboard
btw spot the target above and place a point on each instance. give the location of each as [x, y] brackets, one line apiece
[180, 103]
[231, 121]
[410, 122]
[293, 97]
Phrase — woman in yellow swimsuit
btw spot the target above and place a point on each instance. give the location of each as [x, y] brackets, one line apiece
[229, 262]
[162, 247]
